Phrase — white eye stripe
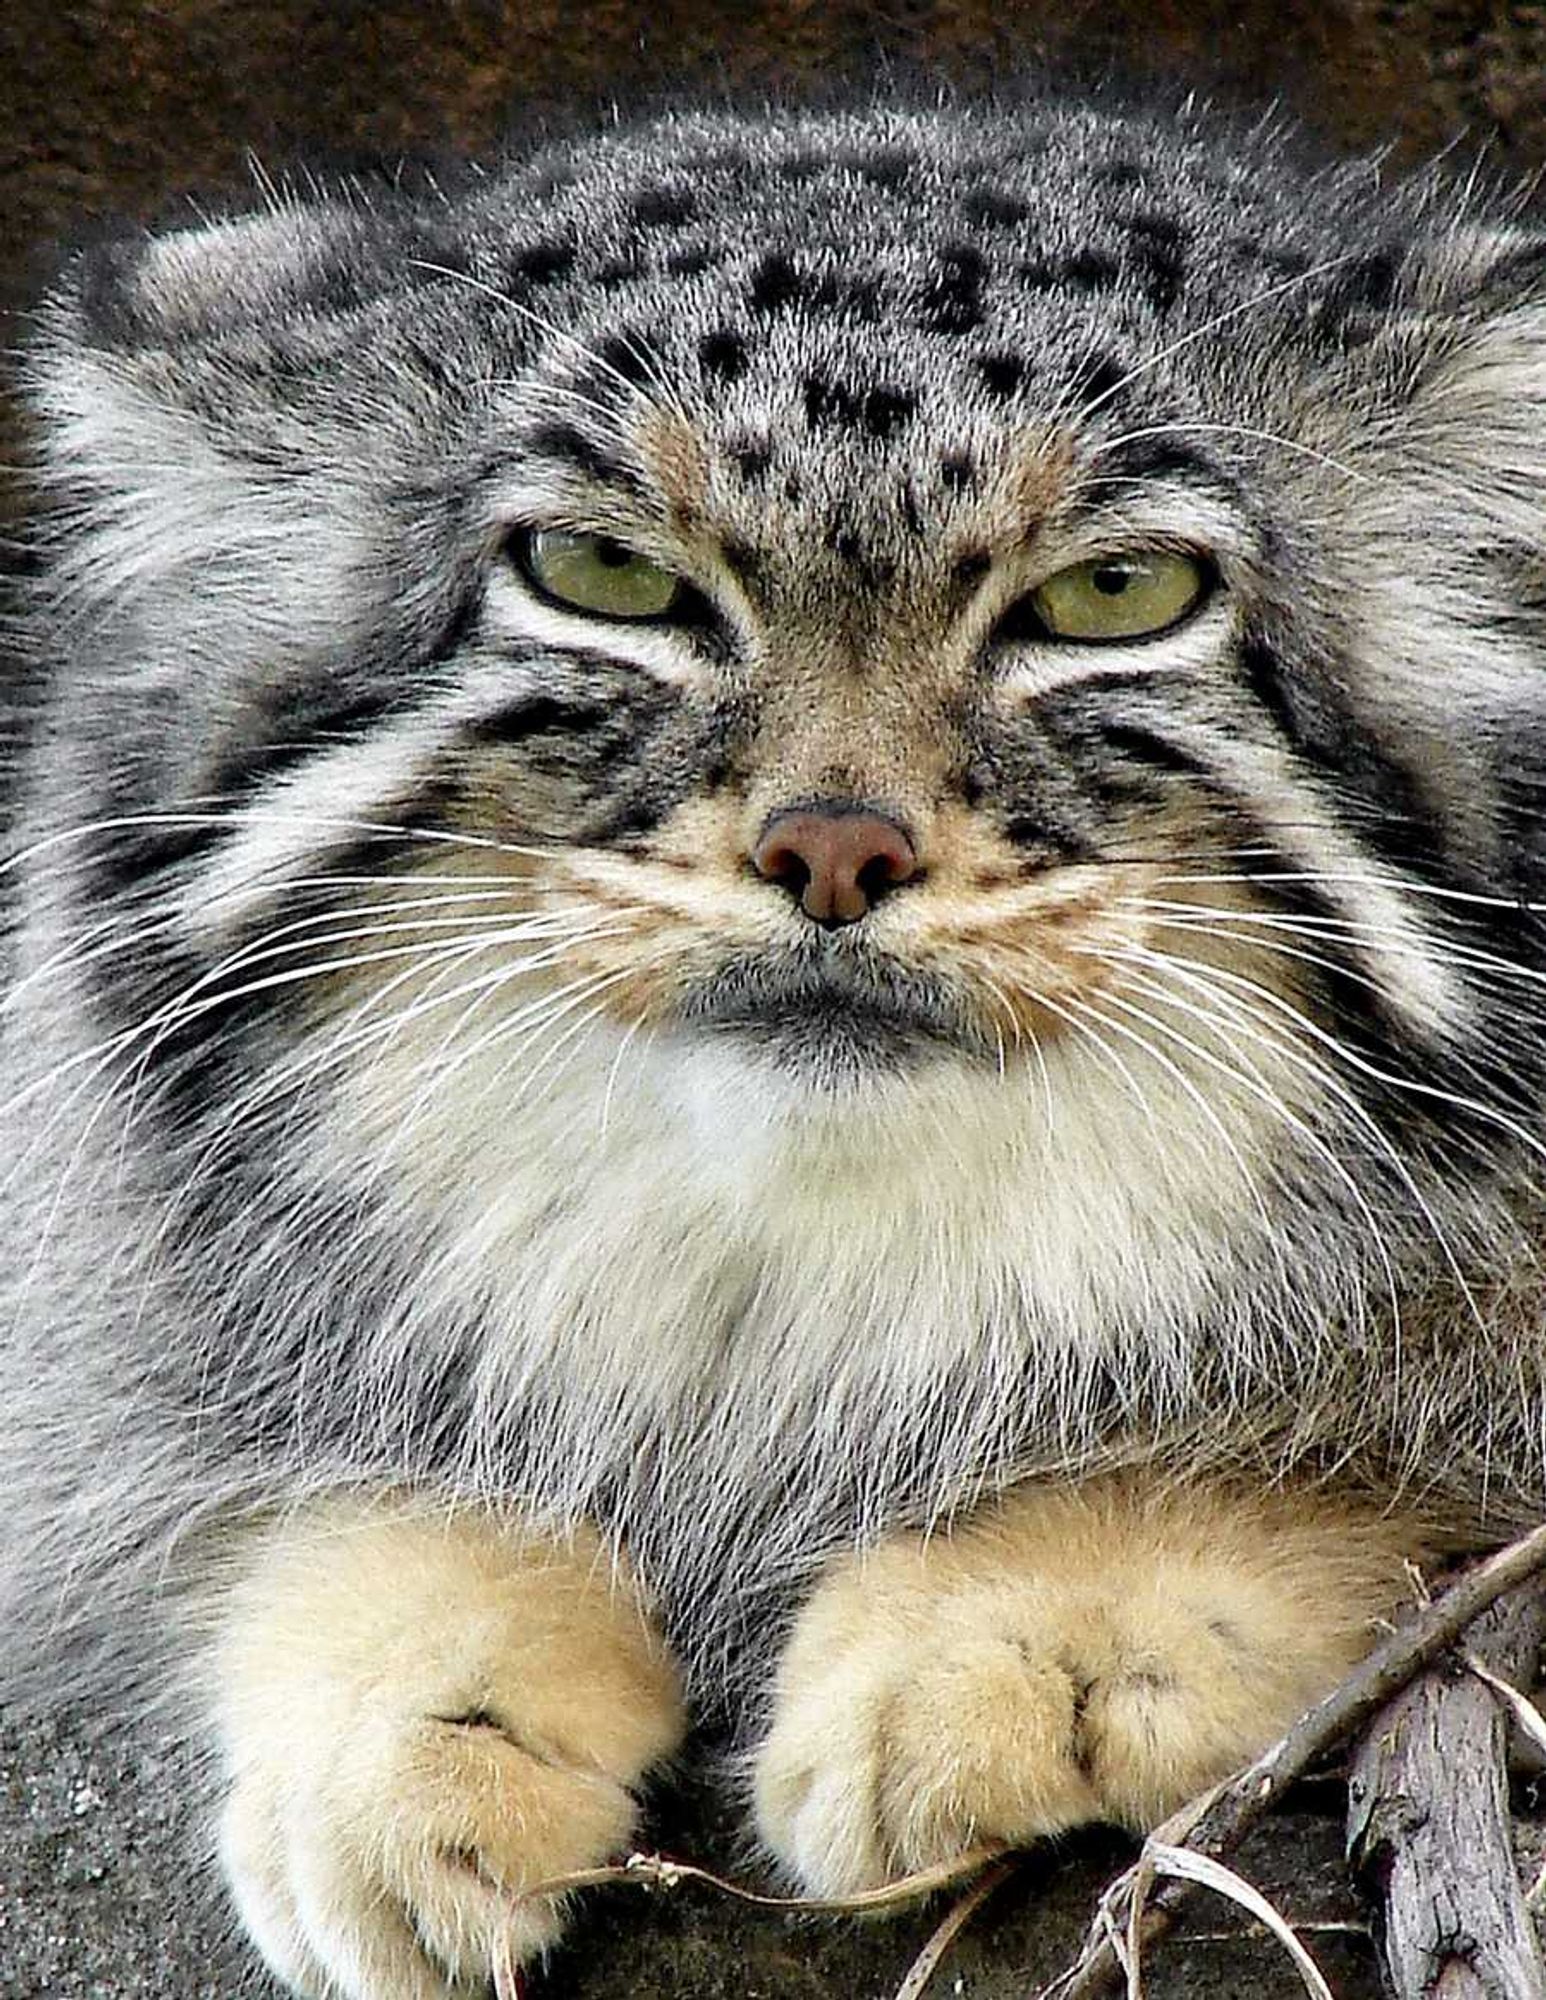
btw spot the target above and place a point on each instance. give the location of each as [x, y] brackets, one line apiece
[1033, 667]
[515, 611]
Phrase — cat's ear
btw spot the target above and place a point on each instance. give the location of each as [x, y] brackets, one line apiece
[1468, 347]
[161, 333]
[210, 279]
[1491, 267]
[162, 379]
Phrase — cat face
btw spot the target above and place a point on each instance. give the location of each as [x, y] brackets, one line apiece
[861, 594]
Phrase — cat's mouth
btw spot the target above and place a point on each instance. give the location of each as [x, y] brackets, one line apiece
[836, 1011]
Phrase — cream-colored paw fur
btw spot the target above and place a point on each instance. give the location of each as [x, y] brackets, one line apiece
[422, 1713]
[1095, 1653]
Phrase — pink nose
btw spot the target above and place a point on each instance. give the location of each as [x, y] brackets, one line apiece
[838, 860]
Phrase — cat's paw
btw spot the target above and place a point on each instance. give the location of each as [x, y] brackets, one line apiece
[422, 1719]
[1054, 1669]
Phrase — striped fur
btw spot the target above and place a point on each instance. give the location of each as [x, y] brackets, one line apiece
[412, 1082]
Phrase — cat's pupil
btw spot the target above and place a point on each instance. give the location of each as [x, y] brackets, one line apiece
[612, 555]
[1111, 579]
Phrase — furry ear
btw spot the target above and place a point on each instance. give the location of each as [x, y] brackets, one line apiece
[1486, 266]
[212, 280]
[173, 470]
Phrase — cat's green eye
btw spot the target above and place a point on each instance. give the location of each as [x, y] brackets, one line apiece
[1120, 597]
[595, 574]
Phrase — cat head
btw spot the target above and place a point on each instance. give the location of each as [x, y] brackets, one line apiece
[874, 596]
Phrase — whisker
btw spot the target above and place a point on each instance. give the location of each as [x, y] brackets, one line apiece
[1189, 428]
[1203, 980]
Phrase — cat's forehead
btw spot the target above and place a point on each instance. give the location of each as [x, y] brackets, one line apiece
[895, 235]
[885, 316]
[857, 312]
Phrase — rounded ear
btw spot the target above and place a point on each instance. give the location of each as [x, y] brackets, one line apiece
[213, 278]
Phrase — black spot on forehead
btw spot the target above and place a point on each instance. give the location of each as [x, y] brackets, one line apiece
[951, 300]
[1091, 270]
[1355, 297]
[688, 263]
[1100, 379]
[543, 262]
[848, 545]
[723, 354]
[886, 166]
[630, 354]
[876, 413]
[663, 208]
[886, 410]
[959, 471]
[1003, 375]
[599, 382]
[628, 269]
[780, 284]
[1158, 246]
[1153, 227]
[1281, 259]
[751, 457]
[776, 284]
[991, 209]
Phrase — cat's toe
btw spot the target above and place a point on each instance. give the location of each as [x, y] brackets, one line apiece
[1072, 1655]
[897, 1757]
[423, 1720]
[412, 1886]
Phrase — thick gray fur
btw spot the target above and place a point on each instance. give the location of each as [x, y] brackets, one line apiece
[274, 453]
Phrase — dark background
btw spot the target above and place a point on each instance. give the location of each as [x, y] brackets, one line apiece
[115, 109]
[118, 112]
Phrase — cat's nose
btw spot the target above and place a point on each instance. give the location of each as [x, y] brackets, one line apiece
[836, 860]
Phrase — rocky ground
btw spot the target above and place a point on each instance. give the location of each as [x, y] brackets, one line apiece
[108, 109]
[98, 1902]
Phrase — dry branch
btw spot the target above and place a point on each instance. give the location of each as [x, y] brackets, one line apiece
[1215, 1824]
[1140, 1905]
[1429, 1826]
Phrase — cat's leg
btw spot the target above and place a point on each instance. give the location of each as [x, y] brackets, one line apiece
[1070, 1654]
[422, 1713]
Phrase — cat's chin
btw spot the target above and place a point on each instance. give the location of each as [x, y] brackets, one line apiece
[838, 1046]
[836, 1024]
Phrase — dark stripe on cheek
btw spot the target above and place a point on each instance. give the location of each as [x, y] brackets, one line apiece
[306, 725]
[1160, 753]
[537, 715]
[1045, 837]
[339, 702]
[1377, 798]
[1264, 676]
[631, 819]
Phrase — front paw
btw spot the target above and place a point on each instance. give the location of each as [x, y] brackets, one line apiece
[1063, 1662]
[423, 1719]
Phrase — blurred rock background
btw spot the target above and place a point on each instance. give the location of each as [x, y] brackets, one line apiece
[124, 110]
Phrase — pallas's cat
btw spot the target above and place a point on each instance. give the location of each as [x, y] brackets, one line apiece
[775, 947]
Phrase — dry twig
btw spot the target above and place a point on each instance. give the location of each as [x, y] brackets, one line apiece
[955, 1920]
[1429, 1826]
[1137, 1908]
[1215, 1824]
